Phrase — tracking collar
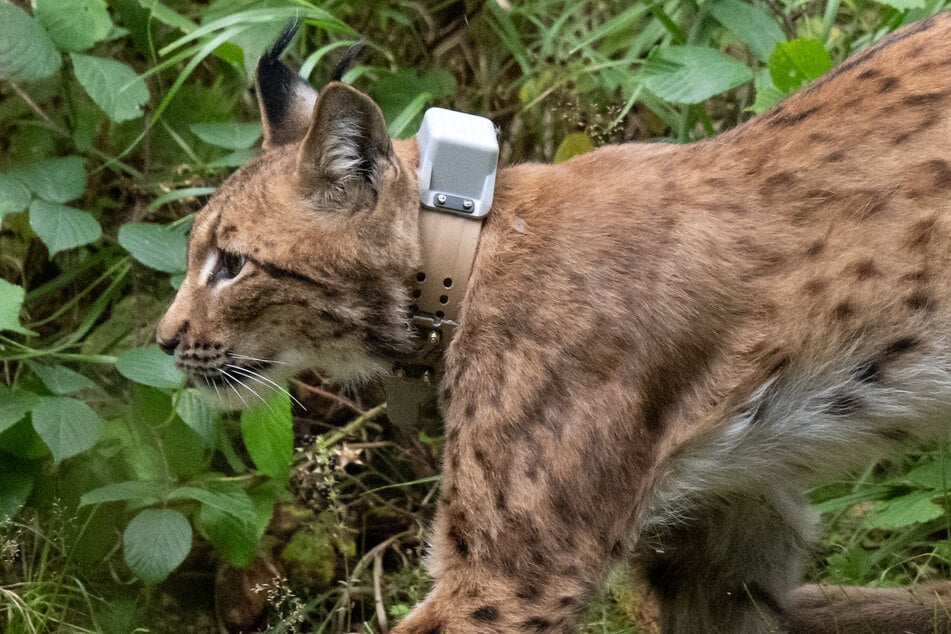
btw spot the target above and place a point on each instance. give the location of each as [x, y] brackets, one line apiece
[458, 158]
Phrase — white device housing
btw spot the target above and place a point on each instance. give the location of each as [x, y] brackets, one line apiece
[458, 158]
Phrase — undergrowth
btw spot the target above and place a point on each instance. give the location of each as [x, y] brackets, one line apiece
[124, 491]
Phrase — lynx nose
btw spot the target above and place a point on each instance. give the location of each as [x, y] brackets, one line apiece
[168, 345]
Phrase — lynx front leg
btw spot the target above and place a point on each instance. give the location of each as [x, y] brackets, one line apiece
[536, 503]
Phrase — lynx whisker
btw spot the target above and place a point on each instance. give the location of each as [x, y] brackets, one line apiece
[247, 387]
[258, 359]
[263, 380]
[233, 388]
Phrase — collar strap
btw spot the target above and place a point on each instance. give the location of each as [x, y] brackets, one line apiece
[448, 243]
[458, 158]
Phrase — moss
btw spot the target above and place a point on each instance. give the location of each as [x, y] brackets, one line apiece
[311, 554]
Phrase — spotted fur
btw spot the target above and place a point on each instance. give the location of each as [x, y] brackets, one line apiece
[662, 346]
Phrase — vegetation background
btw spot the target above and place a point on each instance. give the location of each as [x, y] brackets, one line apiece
[129, 505]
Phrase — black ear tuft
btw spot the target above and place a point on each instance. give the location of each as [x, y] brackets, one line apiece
[347, 60]
[273, 54]
[284, 97]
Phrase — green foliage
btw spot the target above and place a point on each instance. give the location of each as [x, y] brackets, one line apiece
[118, 119]
[28, 52]
[155, 542]
[796, 62]
[68, 426]
[691, 74]
[11, 301]
[112, 85]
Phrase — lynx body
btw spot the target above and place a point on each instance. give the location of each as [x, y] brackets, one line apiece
[661, 347]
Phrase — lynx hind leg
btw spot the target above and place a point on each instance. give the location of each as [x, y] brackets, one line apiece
[728, 564]
[822, 609]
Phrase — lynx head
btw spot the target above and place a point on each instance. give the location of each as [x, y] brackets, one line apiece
[300, 258]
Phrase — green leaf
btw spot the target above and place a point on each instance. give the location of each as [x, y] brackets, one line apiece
[227, 518]
[14, 196]
[903, 511]
[163, 14]
[934, 475]
[403, 95]
[198, 415]
[112, 85]
[903, 5]
[155, 543]
[149, 366]
[61, 380]
[61, 227]
[751, 23]
[767, 95]
[155, 246]
[123, 491]
[57, 180]
[15, 488]
[26, 51]
[796, 62]
[11, 301]
[572, 145]
[14, 404]
[67, 426]
[74, 25]
[691, 74]
[268, 433]
[231, 136]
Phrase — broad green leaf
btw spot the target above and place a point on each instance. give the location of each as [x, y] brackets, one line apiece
[691, 74]
[61, 227]
[934, 475]
[74, 25]
[155, 543]
[26, 51]
[903, 5]
[14, 196]
[572, 145]
[68, 426]
[198, 415]
[903, 511]
[149, 366]
[231, 136]
[155, 246]
[767, 95]
[61, 380]
[123, 491]
[15, 488]
[14, 404]
[228, 519]
[751, 23]
[798, 61]
[11, 301]
[22, 441]
[233, 159]
[57, 180]
[268, 433]
[112, 85]
[167, 16]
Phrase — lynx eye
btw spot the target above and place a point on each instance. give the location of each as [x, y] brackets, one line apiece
[229, 266]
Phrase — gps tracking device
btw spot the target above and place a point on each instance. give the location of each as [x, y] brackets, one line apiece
[458, 158]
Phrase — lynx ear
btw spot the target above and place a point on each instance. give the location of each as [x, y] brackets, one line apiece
[346, 147]
[285, 99]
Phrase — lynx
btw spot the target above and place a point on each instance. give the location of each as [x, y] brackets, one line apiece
[661, 347]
